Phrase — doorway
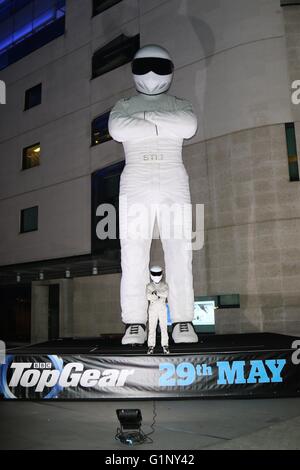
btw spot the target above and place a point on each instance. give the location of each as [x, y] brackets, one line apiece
[53, 312]
[15, 313]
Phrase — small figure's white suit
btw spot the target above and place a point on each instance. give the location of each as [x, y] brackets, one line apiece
[157, 293]
[152, 127]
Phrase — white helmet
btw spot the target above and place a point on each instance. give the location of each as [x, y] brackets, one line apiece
[156, 274]
[152, 70]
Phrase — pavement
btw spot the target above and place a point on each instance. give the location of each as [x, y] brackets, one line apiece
[180, 425]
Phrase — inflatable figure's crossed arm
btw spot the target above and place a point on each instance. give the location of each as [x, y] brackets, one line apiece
[181, 123]
[123, 127]
[161, 291]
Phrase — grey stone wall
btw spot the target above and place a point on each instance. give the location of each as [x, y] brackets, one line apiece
[97, 305]
[252, 230]
[291, 15]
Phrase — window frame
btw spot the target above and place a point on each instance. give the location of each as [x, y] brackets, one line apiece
[26, 107]
[38, 36]
[23, 156]
[110, 51]
[106, 139]
[218, 300]
[292, 152]
[289, 3]
[21, 221]
[99, 10]
[109, 249]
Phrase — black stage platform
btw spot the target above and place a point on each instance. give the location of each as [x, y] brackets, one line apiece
[209, 343]
[240, 365]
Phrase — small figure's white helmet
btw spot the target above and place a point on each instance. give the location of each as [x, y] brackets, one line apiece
[156, 274]
[152, 70]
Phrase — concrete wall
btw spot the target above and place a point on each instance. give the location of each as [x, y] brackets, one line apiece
[40, 309]
[253, 231]
[61, 184]
[63, 227]
[97, 305]
[291, 17]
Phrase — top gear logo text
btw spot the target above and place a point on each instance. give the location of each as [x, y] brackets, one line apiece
[40, 377]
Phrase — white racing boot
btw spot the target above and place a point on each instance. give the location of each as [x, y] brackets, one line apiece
[184, 333]
[135, 334]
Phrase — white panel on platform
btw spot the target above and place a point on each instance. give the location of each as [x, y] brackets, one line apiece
[204, 313]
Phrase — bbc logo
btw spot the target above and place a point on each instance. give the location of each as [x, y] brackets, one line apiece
[42, 365]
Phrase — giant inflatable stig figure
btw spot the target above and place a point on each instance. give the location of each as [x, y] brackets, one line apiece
[152, 126]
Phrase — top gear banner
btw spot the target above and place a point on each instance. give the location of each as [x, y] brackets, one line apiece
[257, 374]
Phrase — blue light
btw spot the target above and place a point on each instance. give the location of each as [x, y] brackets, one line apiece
[7, 42]
[45, 18]
[57, 11]
[60, 13]
[20, 33]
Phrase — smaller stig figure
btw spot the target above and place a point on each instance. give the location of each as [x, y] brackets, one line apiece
[157, 294]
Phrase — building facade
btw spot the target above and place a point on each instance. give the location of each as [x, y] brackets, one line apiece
[236, 62]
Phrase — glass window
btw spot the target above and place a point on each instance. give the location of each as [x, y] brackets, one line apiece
[100, 5]
[100, 132]
[29, 219]
[229, 301]
[284, 3]
[292, 151]
[31, 156]
[223, 300]
[105, 190]
[118, 52]
[33, 96]
[26, 25]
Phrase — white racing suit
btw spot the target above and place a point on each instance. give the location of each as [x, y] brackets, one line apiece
[152, 129]
[157, 295]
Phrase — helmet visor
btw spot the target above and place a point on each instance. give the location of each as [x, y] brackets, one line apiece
[156, 274]
[148, 64]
